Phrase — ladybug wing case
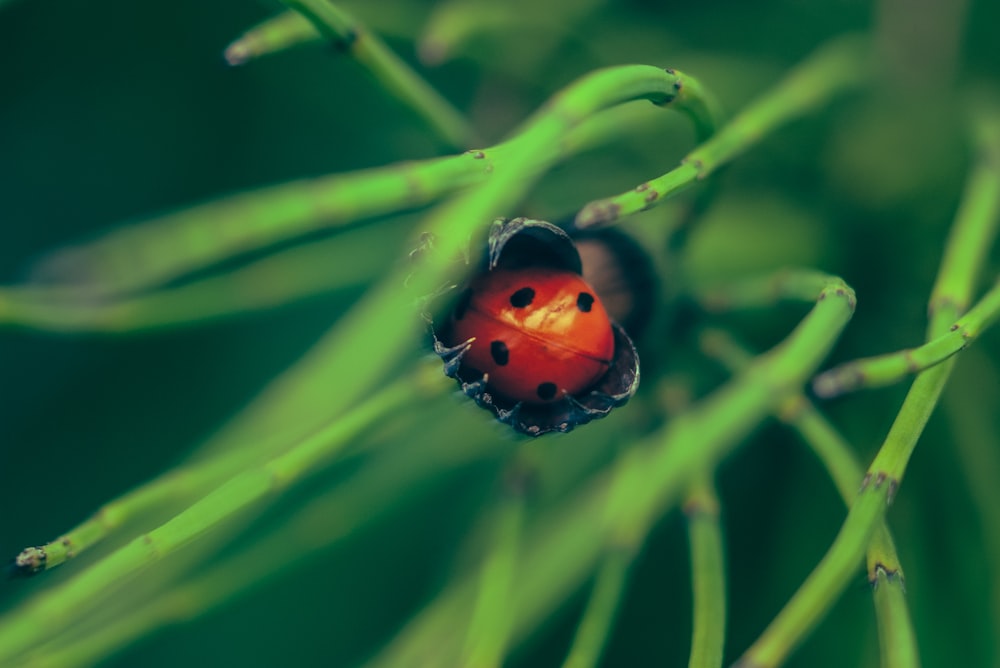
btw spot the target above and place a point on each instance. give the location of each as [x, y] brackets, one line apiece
[529, 340]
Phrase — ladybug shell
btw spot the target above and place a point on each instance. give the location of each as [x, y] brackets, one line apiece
[539, 333]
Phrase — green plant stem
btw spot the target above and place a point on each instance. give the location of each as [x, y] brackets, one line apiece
[163, 248]
[489, 628]
[971, 409]
[454, 24]
[350, 261]
[322, 523]
[693, 100]
[952, 289]
[708, 576]
[891, 368]
[814, 598]
[289, 29]
[763, 291]
[180, 485]
[885, 574]
[60, 606]
[344, 32]
[977, 217]
[608, 589]
[278, 33]
[595, 627]
[979, 211]
[175, 488]
[775, 373]
[384, 321]
[563, 547]
[897, 641]
[832, 70]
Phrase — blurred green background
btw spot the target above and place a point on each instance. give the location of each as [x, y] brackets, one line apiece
[115, 111]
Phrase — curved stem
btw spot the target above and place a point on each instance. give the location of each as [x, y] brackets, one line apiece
[708, 576]
[610, 584]
[832, 70]
[563, 546]
[884, 571]
[350, 36]
[954, 283]
[891, 368]
[60, 606]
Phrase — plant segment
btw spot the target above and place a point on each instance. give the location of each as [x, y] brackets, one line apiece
[563, 547]
[971, 236]
[897, 639]
[977, 214]
[833, 69]
[566, 545]
[524, 158]
[532, 150]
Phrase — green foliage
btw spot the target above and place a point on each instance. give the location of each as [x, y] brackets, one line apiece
[252, 366]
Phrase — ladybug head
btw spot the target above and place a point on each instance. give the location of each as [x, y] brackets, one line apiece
[530, 340]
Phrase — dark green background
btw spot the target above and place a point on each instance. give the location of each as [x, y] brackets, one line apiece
[110, 112]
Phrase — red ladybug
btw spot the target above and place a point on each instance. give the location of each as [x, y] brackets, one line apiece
[537, 333]
[529, 340]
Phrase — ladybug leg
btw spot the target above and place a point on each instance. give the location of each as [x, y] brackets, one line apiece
[515, 418]
[574, 414]
[452, 356]
[476, 388]
[510, 416]
[580, 414]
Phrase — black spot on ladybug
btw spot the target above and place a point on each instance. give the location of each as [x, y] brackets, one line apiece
[546, 391]
[463, 304]
[584, 301]
[500, 353]
[522, 298]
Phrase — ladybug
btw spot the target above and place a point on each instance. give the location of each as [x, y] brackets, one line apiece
[530, 340]
[537, 334]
